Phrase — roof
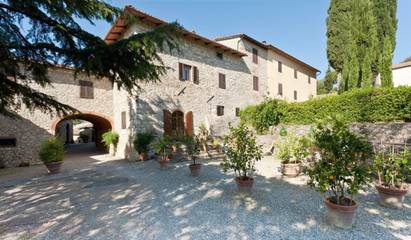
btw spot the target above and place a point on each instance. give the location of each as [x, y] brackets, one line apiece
[268, 47]
[120, 25]
[401, 65]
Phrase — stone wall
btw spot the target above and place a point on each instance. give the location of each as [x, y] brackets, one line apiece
[377, 133]
[36, 126]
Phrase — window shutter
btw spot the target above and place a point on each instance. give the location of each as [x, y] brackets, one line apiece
[189, 123]
[180, 71]
[221, 80]
[280, 89]
[195, 75]
[255, 55]
[167, 122]
[255, 83]
[123, 120]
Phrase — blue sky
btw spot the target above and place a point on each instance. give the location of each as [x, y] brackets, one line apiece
[295, 26]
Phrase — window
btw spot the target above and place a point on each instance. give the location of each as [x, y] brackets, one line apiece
[184, 71]
[86, 89]
[220, 110]
[8, 142]
[280, 67]
[255, 55]
[255, 83]
[221, 81]
[295, 73]
[237, 112]
[219, 55]
[309, 80]
[295, 95]
[280, 89]
[196, 79]
[123, 120]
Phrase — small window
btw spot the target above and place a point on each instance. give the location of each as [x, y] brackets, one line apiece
[221, 81]
[196, 79]
[255, 55]
[237, 112]
[123, 120]
[255, 83]
[309, 80]
[220, 110]
[295, 73]
[86, 89]
[280, 89]
[295, 95]
[280, 67]
[219, 55]
[184, 71]
[8, 142]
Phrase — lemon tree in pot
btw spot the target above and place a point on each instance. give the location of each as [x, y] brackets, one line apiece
[392, 170]
[142, 142]
[52, 154]
[192, 148]
[341, 171]
[163, 148]
[110, 139]
[292, 150]
[241, 153]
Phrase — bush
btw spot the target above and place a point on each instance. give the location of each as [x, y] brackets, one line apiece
[109, 138]
[163, 146]
[142, 141]
[393, 168]
[341, 169]
[359, 105]
[293, 149]
[51, 150]
[192, 144]
[241, 151]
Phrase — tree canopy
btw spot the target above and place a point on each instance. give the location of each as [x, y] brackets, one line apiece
[37, 34]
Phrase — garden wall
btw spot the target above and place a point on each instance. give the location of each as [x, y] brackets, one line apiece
[397, 133]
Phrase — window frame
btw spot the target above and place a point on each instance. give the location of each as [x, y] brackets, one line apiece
[255, 83]
[220, 55]
[123, 120]
[222, 83]
[220, 110]
[280, 67]
[295, 95]
[3, 142]
[86, 89]
[255, 55]
[237, 112]
[295, 74]
[280, 89]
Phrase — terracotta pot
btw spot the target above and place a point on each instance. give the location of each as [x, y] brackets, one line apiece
[291, 169]
[391, 197]
[195, 169]
[54, 167]
[142, 156]
[340, 215]
[163, 163]
[244, 184]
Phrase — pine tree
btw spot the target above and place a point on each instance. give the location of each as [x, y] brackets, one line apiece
[338, 32]
[51, 35]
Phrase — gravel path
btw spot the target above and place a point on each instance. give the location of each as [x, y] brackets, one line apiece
[134, 200]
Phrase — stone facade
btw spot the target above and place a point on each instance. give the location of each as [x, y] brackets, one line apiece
[34, 126]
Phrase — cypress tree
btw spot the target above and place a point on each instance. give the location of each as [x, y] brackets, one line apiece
[338, 33]
[385, 62]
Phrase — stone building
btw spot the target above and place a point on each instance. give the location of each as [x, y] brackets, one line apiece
[208, 81]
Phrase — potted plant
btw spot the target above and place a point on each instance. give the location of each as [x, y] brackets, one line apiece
[203, 136]
[292, 151]
[142, 142]
[51, 154]
[341, 171]
[217, 145]
[163, 148]
[192, 147]
[110, 139]
[392, 170]
[241, 154]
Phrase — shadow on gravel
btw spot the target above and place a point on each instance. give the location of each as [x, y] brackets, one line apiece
[129, 200]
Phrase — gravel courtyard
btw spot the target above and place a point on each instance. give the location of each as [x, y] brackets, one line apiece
[136, 200]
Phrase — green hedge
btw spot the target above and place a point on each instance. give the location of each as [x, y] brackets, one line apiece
[359, 105]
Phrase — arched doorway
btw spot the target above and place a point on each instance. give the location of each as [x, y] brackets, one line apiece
[100, 125]
[177, 123]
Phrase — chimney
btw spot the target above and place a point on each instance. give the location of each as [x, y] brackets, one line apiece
[265, 42]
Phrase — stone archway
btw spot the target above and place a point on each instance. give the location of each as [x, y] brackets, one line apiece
[101, 124]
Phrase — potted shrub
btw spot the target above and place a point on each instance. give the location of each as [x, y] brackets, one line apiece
[163, 148]
[110, 139]
[341, 171]
[51, 154]
[241, 154]
[142, 142]
[392, 170]
[192, 147]
[203, 136]
[292, 151]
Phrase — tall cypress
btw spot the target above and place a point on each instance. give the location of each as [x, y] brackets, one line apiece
[385, 13]
[338, 33]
